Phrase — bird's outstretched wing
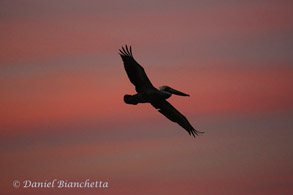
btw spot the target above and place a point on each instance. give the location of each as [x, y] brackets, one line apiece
[135, 72]
[174, 115]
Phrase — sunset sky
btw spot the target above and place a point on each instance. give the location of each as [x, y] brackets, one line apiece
[62, 84]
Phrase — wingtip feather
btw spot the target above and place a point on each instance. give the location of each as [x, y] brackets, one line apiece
[122, 53]
[126, 51]
[196, 132]
[130, 50]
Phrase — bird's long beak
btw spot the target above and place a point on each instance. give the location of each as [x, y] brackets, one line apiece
[176, 92]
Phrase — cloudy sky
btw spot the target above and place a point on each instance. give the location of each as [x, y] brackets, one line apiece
[62, 84]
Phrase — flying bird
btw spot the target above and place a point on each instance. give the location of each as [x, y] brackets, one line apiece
[147, 93]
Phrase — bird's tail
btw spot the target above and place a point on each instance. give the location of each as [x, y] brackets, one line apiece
[130, 99]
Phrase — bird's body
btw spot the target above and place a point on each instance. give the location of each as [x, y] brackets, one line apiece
[147, 93]
[149, 96]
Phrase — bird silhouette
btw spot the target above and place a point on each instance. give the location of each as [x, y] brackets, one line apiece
[147, 93]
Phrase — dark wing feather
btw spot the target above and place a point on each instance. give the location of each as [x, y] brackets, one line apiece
[174, 115]
[135, 72]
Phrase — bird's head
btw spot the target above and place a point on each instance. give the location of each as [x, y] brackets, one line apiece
[172, 91]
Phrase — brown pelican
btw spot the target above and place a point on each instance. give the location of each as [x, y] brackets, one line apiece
[147, 93]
